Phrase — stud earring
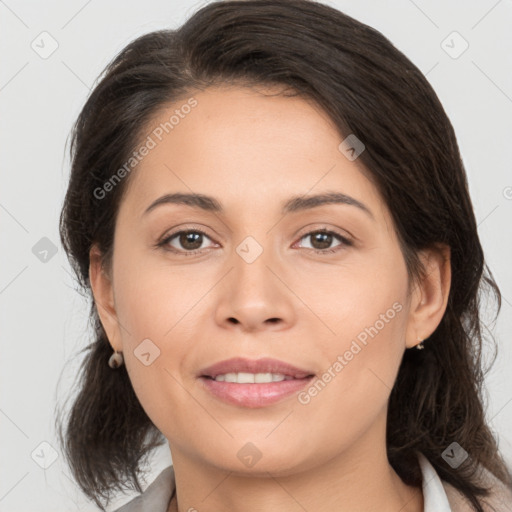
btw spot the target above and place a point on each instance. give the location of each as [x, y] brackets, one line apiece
[420, 345]
[116, 360]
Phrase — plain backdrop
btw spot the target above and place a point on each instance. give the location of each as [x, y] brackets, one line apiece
[44, 319]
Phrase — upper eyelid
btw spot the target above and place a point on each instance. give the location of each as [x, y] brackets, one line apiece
[300, 236]
[320, 226]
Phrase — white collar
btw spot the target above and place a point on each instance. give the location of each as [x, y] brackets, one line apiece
[434, 495]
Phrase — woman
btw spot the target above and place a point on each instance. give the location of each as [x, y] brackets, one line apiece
[270, 210]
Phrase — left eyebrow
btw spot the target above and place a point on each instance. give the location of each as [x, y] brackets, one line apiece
[293, 204]
[298, 203]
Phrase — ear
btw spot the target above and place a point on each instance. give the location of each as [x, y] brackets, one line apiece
[430, 295]
[102, 290]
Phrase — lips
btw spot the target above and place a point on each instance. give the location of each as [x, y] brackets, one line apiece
[254, 395]
[264, 365]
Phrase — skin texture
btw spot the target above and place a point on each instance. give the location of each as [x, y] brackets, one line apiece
[252, 152]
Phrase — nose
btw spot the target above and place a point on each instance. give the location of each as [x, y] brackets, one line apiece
[255, 296]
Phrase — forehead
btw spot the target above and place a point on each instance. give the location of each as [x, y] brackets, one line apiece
[247, 147]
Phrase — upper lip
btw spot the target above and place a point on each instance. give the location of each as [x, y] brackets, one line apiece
[264, 365]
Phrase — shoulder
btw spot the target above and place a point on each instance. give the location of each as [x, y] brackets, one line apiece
[440, 495]
[156, 496]
[498, 500]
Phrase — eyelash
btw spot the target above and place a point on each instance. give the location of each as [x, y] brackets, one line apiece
[345, 241]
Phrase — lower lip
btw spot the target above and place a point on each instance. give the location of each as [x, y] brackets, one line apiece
[254, 395]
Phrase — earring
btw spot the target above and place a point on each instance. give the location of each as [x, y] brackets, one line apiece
[116, 360]
[420, 345]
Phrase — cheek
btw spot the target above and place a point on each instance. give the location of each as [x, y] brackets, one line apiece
[152, 297]
[363, 310]
[154, 305]
[367, 310]
[353, 391]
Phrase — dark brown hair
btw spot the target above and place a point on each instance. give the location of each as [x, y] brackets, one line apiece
[368, 88]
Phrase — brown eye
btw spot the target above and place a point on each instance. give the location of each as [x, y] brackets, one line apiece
[322, 240]
[186, 242]
[190, 240]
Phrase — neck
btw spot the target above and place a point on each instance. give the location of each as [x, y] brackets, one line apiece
[357, 479]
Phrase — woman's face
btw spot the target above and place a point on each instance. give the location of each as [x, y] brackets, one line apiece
[256, 288]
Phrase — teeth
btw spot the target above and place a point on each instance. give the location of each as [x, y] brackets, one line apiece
[251, 378]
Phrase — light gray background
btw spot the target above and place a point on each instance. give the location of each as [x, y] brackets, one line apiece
[44, 320]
